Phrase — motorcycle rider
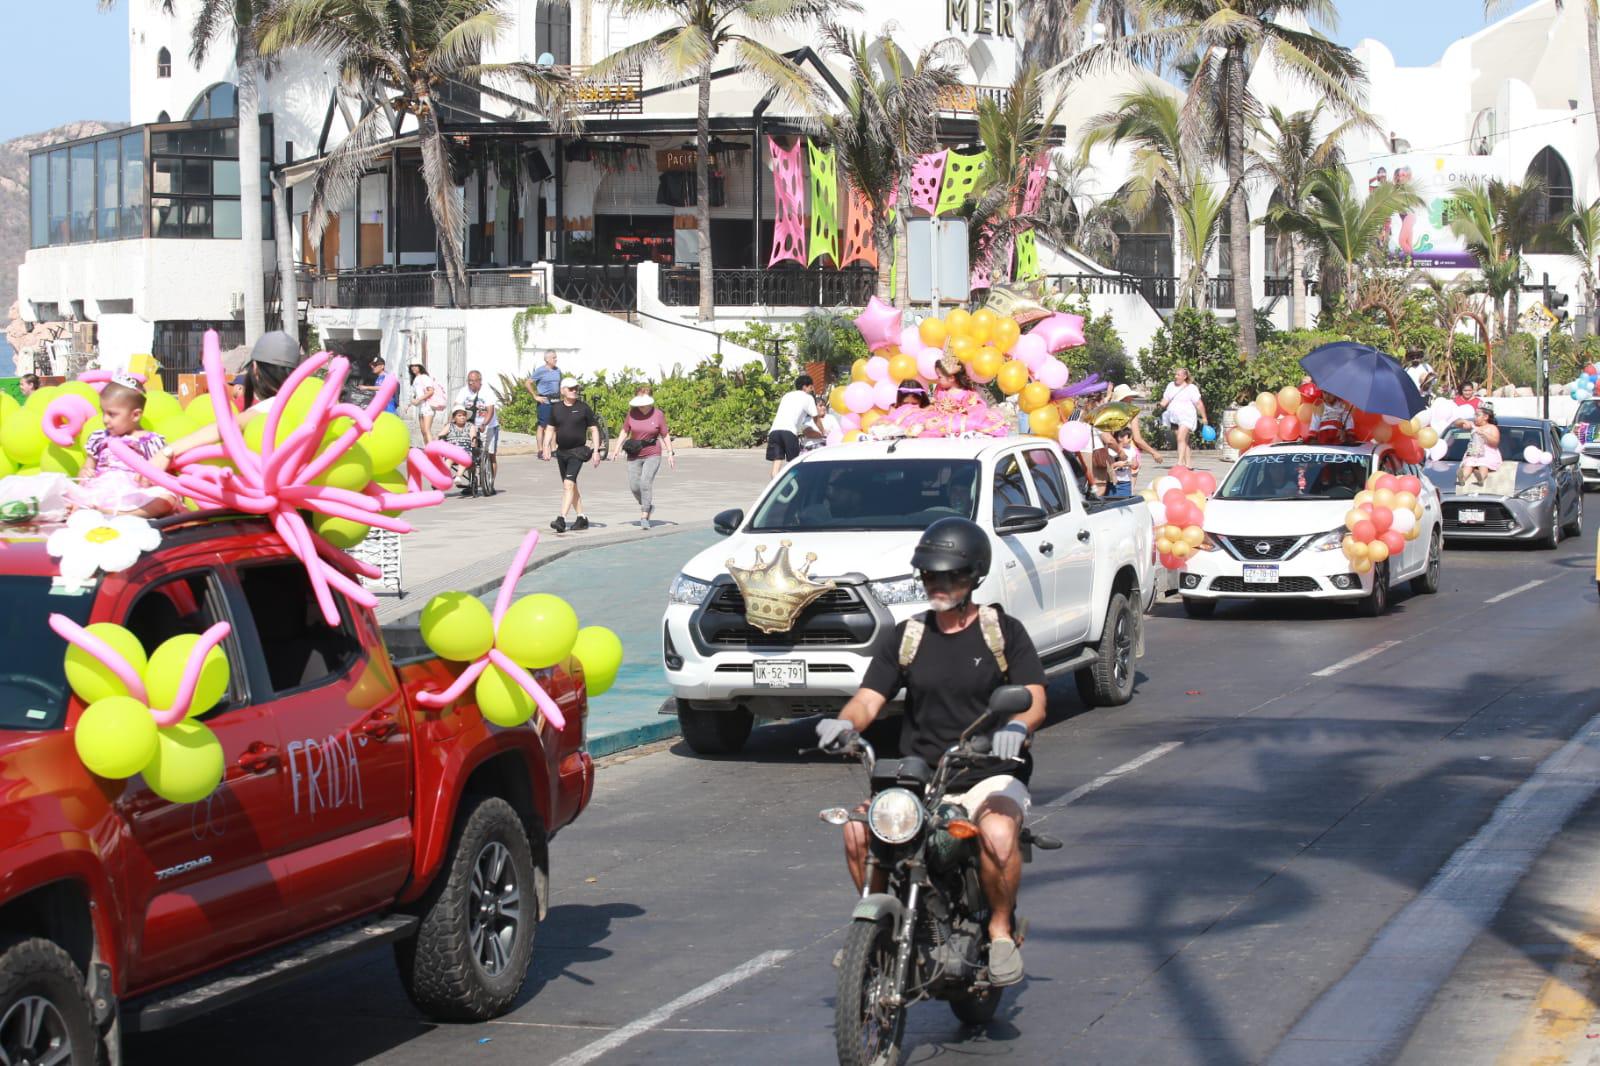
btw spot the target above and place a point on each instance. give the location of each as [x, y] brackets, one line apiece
[956, 656]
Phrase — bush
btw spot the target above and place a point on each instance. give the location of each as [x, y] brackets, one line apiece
[822, 336]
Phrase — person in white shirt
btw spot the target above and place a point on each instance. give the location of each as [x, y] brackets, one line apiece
[797, 411]
[816, 436]
[1420, 372]
[481, 406]
[1183, 410]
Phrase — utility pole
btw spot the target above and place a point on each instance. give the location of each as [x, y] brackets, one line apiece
[1544, 362]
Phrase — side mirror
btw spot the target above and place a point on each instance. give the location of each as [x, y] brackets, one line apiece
[1018, 519]
[1010, 699]
[728, 522]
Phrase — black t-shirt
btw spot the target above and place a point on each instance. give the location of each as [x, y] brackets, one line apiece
[948, 686]
[572, 423]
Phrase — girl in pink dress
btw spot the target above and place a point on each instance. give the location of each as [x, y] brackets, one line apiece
[957, 409]
[108, 484]
[1483, 447]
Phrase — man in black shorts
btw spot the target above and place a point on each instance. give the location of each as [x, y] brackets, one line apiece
[797, 412]
[574, 436]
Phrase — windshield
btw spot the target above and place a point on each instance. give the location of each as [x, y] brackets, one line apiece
[884, 494]
[1588, 411]
[1514, 440]
[33, 680]
[1285, 475]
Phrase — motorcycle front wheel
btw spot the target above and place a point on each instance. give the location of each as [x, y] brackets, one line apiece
[867, 1030]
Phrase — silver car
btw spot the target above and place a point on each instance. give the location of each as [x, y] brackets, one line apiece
[1519, 501]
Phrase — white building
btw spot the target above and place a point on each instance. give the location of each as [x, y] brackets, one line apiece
[138, 232]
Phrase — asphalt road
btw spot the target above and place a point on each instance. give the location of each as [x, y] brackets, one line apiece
[1292, 846]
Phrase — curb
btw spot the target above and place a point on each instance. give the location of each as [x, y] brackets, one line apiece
[637, 737]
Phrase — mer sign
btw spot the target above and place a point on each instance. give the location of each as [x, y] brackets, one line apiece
[992, 17]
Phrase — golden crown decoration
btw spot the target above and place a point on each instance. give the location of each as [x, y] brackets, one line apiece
[776, 593]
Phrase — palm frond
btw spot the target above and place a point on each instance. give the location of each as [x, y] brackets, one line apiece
[777, 71]
[337, 177]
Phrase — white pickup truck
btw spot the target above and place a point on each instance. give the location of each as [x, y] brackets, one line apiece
[1076, 573]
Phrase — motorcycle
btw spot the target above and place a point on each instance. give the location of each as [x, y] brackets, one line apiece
[927, 935]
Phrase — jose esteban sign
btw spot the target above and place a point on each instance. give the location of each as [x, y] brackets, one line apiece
[992, 17]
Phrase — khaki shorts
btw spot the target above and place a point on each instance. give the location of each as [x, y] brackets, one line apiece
[999, 785]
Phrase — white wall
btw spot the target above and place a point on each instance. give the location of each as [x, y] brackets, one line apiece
[166, 279]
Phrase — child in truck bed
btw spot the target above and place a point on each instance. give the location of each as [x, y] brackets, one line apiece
[108, 484]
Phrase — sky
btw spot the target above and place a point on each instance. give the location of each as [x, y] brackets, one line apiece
[69, 60]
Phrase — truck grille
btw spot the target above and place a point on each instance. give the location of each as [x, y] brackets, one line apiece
[1289, 585]
[839, 617]
[834, 601]
[1252, 548]
[1496, 518]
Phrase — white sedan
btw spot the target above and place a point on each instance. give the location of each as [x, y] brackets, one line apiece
[1275, 525]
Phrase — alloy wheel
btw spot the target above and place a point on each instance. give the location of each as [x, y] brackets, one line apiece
[494, 908]
[33, 1033]
[1122, 641]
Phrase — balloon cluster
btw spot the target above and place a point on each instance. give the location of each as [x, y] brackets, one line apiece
[1385, 515]
[140, 711]
[1584, 387]
[1177, 509]
[536, 632]
[1291, 414]
[323, 471]
[990, 346]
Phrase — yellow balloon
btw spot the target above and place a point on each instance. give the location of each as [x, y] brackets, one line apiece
[386, 446]
[986, 364]
[963, 347]
[870, 418]
[1006, 332]
[158, 407]
[457, 626]
[1239, 439]
[1404, 501]
[115, 737]
[1384, 498]
[957, 323]
[1359, 551]
[538, 631]
[1364, 496]
[902, 367]
[1289, 400]
[89, 677]
[1013, 376]
[600, 652]
[1362, 566]
[1171, 532]
[165, 674]
[933, 332]
[1181, 549]
[1427, 436]
[352, 472]
[836, 402]
[501, 700]
[1034, 396]
[1044, 422]
[985, 316]
[59, 460]
[1354, 515]
[1163, 546]
[858, 370]
[852, 436]
[22, 435]
[1267, 404]
[981, 331]
[201, 409]
[1193, 536]
[342, 533]
[188, 763]
[1066, 407]
[1377, 551]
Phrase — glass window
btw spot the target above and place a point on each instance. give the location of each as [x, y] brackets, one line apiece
[1047, 480]
[552, 31]
[225, 177]
[225, 219]
[892, 494]
[109, 180]
[167, 177]
[82, 157]
[133, 185]
[224, 101]
[1296, 475]
[1010, 487]
[300, 649]
[190, 604]
[39, 199]
[33, 679]
[166, 219]
[163, 64]
[59, 231]
[196, 178]
[196, 219]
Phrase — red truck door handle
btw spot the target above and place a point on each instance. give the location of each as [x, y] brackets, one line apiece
[379, 724]
[258, 757]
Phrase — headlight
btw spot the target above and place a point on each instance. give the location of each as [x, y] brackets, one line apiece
[899, 590]
[688, 590]
[1329, 541]
[895, 815]
[1206, 544]
[1535, 493]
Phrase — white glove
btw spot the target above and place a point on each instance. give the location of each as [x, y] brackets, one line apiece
[1008, 740]
[835, 734]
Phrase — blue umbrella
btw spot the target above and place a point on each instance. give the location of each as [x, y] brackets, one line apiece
[1364, 377]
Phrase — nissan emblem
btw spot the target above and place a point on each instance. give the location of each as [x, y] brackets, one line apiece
[1263, 548]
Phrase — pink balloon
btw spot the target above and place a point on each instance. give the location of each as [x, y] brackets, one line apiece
[879, 324]
[858, 396]
[928, 364]
[1205, 482]
[911, 341]
[835, 436]
[64, 418]
[849, 422]
[1052, 373]
[884, 394]
[1075, 437]
[1060, 331]
[1030, 350]
[877, 369]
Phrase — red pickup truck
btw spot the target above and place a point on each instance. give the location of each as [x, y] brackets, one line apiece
[348, 814]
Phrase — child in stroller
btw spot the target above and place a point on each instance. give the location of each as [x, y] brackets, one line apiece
[464, 435]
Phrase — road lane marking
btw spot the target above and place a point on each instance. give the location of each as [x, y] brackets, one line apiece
[662, 1014]
[1367, 1016]
[1356, 660]
[1111, 775]
[1508, 593]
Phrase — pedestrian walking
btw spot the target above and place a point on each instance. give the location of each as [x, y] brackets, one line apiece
[1183, 410]
[544, 385]
[645, 440]
[427, 399]
[380, 375]
[796, 411]
[573, 437]
[483, 408]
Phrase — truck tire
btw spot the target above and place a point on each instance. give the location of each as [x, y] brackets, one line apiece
[714, 732]
[473, 946]
[1108, 681]
[44, 1009]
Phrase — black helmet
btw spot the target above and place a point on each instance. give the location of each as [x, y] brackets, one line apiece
[952, 545]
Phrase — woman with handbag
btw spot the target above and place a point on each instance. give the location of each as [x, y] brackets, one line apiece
[644, 440]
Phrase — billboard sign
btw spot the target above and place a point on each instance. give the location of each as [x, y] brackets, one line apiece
[1423, 235]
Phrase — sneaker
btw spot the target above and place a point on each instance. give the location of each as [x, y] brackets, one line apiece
[838, 958]
[1005, 962]
[559, 525]
[581, 522]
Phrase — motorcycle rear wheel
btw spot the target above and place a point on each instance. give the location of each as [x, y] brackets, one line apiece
[867, 1033]
[976, 1008]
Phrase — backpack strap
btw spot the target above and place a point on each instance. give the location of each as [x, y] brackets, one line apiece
[911, 639]
[994, 636]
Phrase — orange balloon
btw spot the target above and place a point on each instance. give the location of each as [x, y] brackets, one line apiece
[1267, 404]
[1240, 439]
[1045, 422]
[1013, 375]
[933, 332]
[858, 370]
[1034, 396]
[902, 367]
[1289, 400]
[957, 323]
[870, 419]
[985, 316]
[963, 347]
[1006, 332]
[986, 364]
[836, 401]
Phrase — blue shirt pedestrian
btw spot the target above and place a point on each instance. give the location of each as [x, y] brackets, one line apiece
[393, 406]
[546, 382]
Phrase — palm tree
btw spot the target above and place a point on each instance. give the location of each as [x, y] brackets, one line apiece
[1497, 221]
[1170, 171]
[1458, 301]
[1340, 230]
[1015, 134]
[1055, 30]
[1291, 152]
[697, 31]
[399, 57]
[1227, 39]
[1591, 44]
[1581, 229]
[890, 120]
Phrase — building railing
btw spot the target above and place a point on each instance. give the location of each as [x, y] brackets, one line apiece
[964, 99]
[1279, 286]
[611, 287]
[756, 287]
[1160, 290]
[485, 287]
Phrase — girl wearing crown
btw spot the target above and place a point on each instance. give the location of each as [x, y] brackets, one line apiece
[958, 409]
[108, 484]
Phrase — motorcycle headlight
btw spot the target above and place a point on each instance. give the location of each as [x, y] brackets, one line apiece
[1329, 541]
[899, 590]
[1535, 493]
[895, 815]
[688, 590]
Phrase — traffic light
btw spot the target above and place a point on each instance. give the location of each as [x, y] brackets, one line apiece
[1558, 305]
